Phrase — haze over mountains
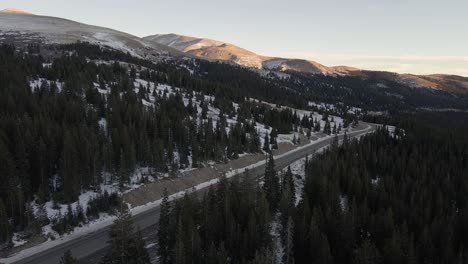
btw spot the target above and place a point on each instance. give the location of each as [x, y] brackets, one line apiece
[20, 26]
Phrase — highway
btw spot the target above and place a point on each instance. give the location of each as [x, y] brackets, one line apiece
[92, 244]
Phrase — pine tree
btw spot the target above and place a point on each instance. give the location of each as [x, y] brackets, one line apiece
[179, 244]
[263, 256]
[204, 111]
[273, 139]
[266, 144]
[124, 245]
[271, 185]
[70, 168]
[367, 253]
[165, 233]
[254, 145]
[317, 126]
[287, 202]
[289, 254]
[141, 255]
[67, 258]
[5, 230]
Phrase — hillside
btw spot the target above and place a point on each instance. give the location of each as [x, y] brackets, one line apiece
[217, 50]
[23, 28]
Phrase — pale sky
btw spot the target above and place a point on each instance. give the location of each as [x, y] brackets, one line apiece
[415, 36]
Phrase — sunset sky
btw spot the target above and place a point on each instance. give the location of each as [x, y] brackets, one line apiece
[414, 36]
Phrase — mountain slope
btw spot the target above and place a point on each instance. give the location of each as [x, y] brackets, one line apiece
[217, 50]
[22, 28]
[15, 11]
[183, 43]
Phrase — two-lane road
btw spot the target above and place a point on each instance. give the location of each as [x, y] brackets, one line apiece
[92, 243]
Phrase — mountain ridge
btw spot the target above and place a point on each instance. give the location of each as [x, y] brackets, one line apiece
[15, 11]
[218, 50]
[24, 29]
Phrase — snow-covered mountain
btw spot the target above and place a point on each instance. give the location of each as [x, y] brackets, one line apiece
[218, 50]
[15, 11]
[21, 27]
[183, 43]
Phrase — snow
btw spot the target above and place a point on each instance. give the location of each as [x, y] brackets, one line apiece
[102, 91]
[343, 202]
[17, 240]
[61, 209]
[275, 232]
[78, 232]
[150, 245]
[37, 83]
[287, 138]
[273, 64]
[375, 182]
[144, 174]
[106, 220]
[109, 40]
[298, 170]
[52, 30]
[103, 124]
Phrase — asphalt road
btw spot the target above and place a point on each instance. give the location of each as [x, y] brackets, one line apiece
[86, 246]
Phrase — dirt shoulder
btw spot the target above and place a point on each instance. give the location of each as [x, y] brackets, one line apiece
[188, 179]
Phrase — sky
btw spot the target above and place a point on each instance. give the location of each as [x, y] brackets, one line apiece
[405, 36]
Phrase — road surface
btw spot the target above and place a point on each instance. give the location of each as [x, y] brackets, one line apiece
[87, 246]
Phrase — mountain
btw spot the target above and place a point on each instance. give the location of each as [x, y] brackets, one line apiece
[20, 27]
[15, 11]
[217, 50]
[450, 83]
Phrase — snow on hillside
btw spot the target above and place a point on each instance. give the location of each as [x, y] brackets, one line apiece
[24, 28]
[183, 43]
[37, 83]
[154, 91]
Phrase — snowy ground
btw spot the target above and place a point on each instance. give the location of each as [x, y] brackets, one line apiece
[275, 233]
[144, 175]
[108, 220]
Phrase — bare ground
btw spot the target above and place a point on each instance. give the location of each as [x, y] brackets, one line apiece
[186, 180]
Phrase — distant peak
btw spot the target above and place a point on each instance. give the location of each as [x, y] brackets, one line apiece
[15, 11]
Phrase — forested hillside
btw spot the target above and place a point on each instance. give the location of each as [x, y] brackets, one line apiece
[387, 198]
[80, 123]
[399, 199]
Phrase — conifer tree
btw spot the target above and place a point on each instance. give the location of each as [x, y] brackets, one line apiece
[263, 256]
[266, 144]
[289, 247]
[5, 231]
[165, 233]
[67, 258]
[367, 253]
[70, 169]
[271, 185]
[125, 246]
